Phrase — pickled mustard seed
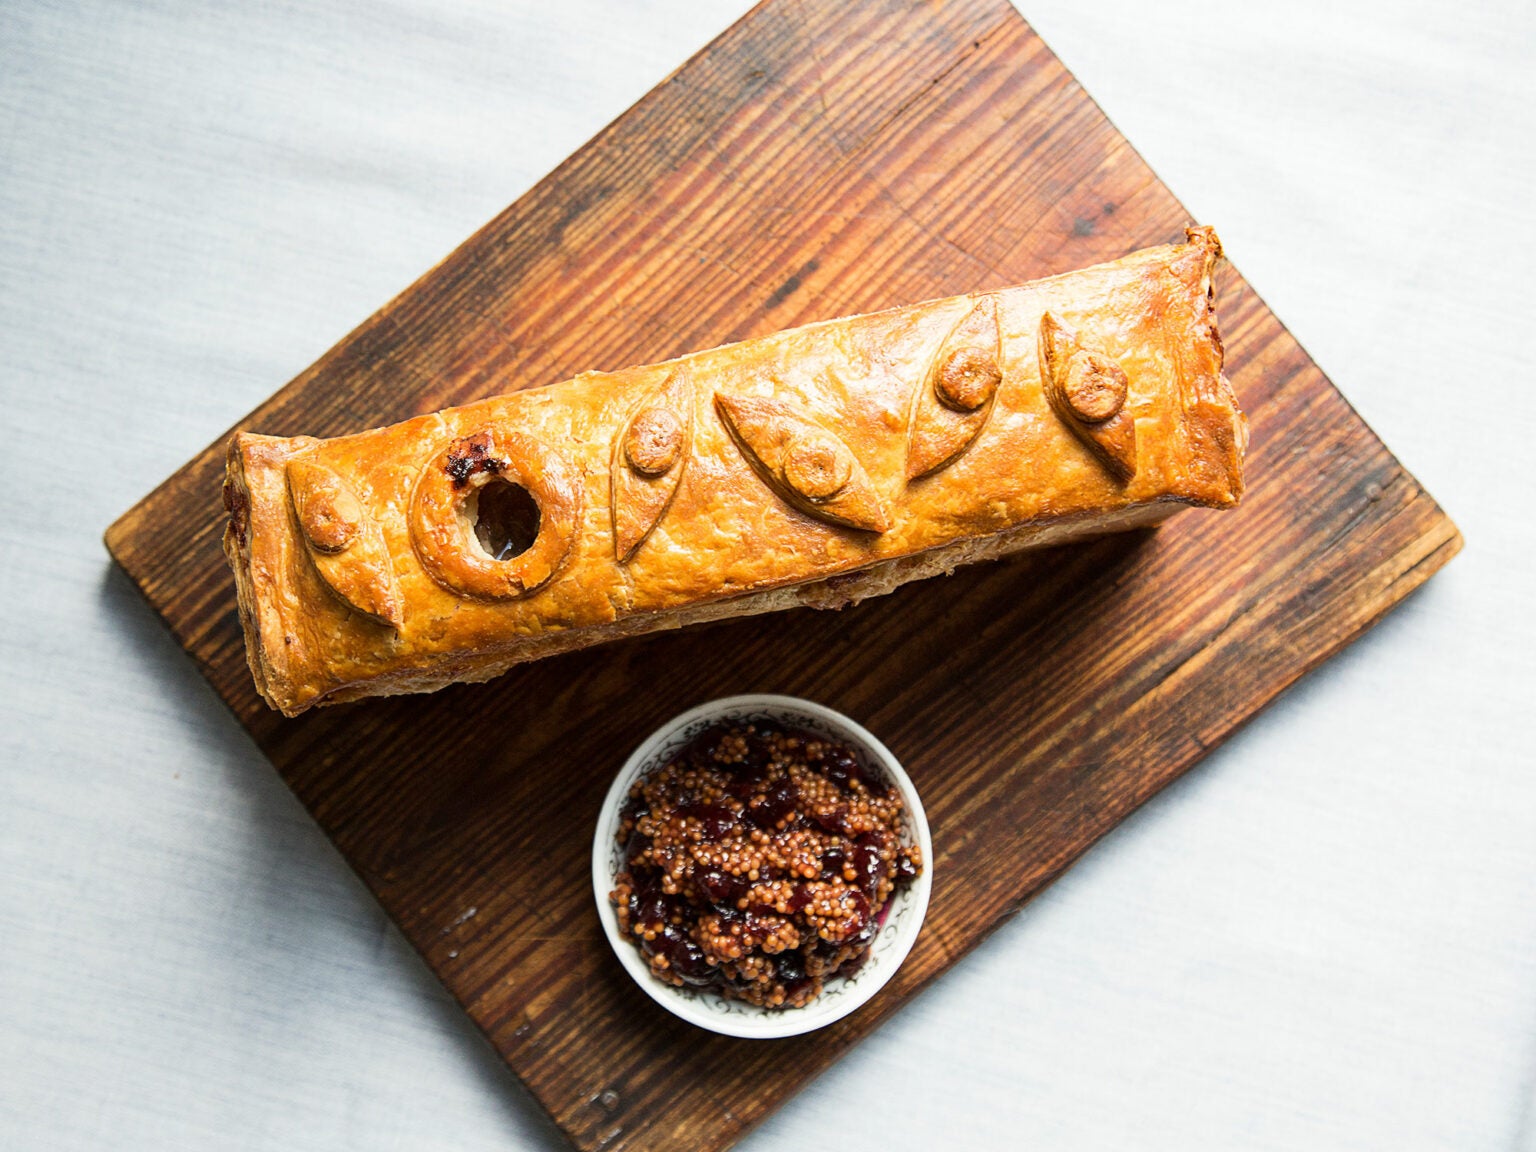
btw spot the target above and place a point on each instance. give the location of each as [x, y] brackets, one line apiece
[758, 861]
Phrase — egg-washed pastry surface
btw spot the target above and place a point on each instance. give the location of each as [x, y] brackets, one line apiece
[819, 466]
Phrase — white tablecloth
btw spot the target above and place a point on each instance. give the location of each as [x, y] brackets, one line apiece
[1325, 937]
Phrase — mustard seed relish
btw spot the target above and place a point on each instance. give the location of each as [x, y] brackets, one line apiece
[758, 861]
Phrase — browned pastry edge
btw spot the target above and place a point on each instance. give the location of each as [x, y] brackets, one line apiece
[813, 506]
[832, 593]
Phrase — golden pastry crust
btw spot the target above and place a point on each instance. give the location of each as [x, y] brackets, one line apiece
[648, 460]
[816, 466]
[951, 407]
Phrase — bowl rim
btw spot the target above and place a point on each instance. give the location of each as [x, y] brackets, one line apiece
[760, 1023]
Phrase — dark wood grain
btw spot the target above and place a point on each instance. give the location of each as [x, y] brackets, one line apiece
[817, 159]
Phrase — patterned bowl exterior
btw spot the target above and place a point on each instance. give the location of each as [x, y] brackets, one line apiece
[900, 920]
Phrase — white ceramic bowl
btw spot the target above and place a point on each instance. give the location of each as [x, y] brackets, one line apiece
[900, 921]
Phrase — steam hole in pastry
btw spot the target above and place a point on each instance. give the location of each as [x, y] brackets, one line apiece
[506, 518]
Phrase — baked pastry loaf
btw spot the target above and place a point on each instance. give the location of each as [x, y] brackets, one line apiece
[816, 466]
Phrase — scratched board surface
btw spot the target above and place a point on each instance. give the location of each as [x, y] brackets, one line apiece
[817, 159]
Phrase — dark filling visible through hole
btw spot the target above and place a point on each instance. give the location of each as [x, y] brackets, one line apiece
[506, 519]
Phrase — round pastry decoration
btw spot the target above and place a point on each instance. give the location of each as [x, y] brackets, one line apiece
[967, 378]
[952, 406]
[345, 545]
[1087, 390]
[805, 463]
[329, 513]
[1095, 387]
[817, 465]
[447, 532]
[653, 441]
[650, 455]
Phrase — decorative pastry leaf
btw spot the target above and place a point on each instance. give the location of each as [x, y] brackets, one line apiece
[649, 455]
[1087, 390]
[345, 544]
[952, 406]
[803, 462]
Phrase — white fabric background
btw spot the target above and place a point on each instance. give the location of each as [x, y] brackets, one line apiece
[1323, 938]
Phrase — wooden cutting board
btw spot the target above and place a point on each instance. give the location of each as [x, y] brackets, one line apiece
[817, 159]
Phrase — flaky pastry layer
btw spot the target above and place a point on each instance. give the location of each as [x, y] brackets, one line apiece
[817, 466]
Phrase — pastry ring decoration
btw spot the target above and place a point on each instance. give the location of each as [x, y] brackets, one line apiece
[446, 506]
